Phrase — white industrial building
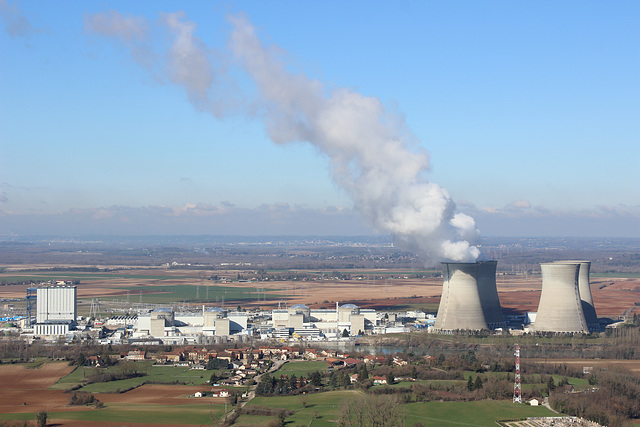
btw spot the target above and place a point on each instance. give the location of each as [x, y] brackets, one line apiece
[56, 310]
[303, 321]
[216, 321]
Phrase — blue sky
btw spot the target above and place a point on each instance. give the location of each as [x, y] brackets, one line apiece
[529, 112]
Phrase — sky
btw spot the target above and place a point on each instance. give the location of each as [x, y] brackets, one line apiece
[427, 120]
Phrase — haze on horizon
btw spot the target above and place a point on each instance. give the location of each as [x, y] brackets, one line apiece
[527, 113]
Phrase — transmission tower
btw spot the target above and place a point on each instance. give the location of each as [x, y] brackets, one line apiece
[94, 311]
[517, 387]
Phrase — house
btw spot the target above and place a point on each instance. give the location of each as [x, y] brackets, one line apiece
[399, 362]
[351, 362]
[219, 392]
[95, 361]
[354, 378]
[377, 380]
[135, 355]
[534, 402]
[371, 360]
[568, 388]
[198, 394]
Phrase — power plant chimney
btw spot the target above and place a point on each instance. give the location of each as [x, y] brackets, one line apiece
[560, 308]
[585, 294]
[469, 297]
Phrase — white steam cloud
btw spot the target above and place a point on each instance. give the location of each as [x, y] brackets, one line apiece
[369, 148]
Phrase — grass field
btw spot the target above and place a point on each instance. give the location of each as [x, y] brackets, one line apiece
[155, 374]
[321, 407]
[480, 413]
[323, 410]
[130, 413]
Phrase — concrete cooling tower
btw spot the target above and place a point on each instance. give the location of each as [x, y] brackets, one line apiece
[585, 294]
[560, 308]
[469, 297]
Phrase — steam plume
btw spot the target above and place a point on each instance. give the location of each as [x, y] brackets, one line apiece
[368, 147]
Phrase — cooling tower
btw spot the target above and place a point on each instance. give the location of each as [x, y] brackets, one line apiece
[469, 297]
[585, 293]
[489, 294]
[560, 308]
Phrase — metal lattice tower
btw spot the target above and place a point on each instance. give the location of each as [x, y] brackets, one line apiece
[31, 303]
[517, 387]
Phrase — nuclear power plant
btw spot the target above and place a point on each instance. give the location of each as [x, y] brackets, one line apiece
[469, 297]
[560, 308]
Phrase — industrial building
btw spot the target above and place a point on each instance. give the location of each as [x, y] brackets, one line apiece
[303, 321]
[469, 297]
[56, 310]
[560, 308]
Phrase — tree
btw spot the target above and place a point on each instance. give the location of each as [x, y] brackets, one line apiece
[315, 378]
[304, 400]
[333, 379]
[81, 360]
[345, 379]
[364, 373]
[478, 384]
[390, 378]
[470, 386]
[41, 417]
[345, 333]
[551, 384]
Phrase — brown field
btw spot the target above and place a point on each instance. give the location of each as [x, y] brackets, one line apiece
[26, 390]
[21, 385]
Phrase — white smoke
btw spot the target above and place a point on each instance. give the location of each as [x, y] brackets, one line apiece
[369, 148]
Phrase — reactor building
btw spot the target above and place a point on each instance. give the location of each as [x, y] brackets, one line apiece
[469, 297]
[56, 311]
[560, 308]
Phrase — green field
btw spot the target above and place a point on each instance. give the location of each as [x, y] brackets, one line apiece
[323, 410]
[321, 407]
[134, 413]
[155, 374]
[479, 413]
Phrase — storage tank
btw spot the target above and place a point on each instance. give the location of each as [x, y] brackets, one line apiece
[560, 308]
[585, 293]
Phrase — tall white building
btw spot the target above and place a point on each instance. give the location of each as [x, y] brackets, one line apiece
[57, 309]
[56, 303]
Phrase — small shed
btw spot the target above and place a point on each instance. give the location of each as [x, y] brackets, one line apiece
[534, 402]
